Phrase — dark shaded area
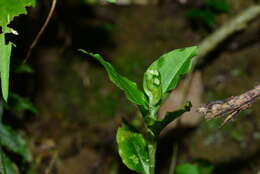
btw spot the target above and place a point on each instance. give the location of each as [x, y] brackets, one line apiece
[80, 109]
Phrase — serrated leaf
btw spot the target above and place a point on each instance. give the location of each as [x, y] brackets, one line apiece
[14, 142]
[187, 169]
[5, 54]
[133, 150]
[129, 87]
[172, 65]
[6, 165]
[157, 126]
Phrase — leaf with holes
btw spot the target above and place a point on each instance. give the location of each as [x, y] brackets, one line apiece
[172, 65]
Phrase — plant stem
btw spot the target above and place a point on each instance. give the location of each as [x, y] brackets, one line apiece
[152, 151]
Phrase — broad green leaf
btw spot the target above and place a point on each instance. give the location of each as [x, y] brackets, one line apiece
[156, 126]
[187, 169]
[5, 54]
[133, 150]
[172, 65]
[6, 165]
[14, 142]
[129, 87]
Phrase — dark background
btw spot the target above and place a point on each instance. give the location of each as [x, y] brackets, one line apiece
[80, 109]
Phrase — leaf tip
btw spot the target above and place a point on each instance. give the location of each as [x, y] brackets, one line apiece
[194, 50]
[5, 92]
[5, 97]
[97, 56]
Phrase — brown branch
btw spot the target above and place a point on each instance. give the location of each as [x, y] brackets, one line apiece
[53, 5]
[230, 106]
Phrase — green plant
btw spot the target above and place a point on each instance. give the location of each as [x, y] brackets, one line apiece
[10, 140]
[137, 148]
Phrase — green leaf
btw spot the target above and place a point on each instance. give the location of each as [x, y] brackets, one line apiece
[172, 65]
[14, 142]
[129, 87]
[156, 126]
[11, 8]
[219, 5]
[6, 165]
[8, 10]
[5, 54]
[133, 150]
[187, 169]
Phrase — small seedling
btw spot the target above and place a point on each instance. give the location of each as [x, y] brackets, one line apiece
[137, 149]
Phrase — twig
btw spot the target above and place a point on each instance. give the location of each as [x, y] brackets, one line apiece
[231, 106]
[53, 5]
[208, 45]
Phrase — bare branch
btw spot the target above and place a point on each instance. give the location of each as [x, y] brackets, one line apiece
[230, 106]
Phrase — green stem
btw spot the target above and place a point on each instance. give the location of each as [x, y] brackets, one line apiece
[152, 151]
